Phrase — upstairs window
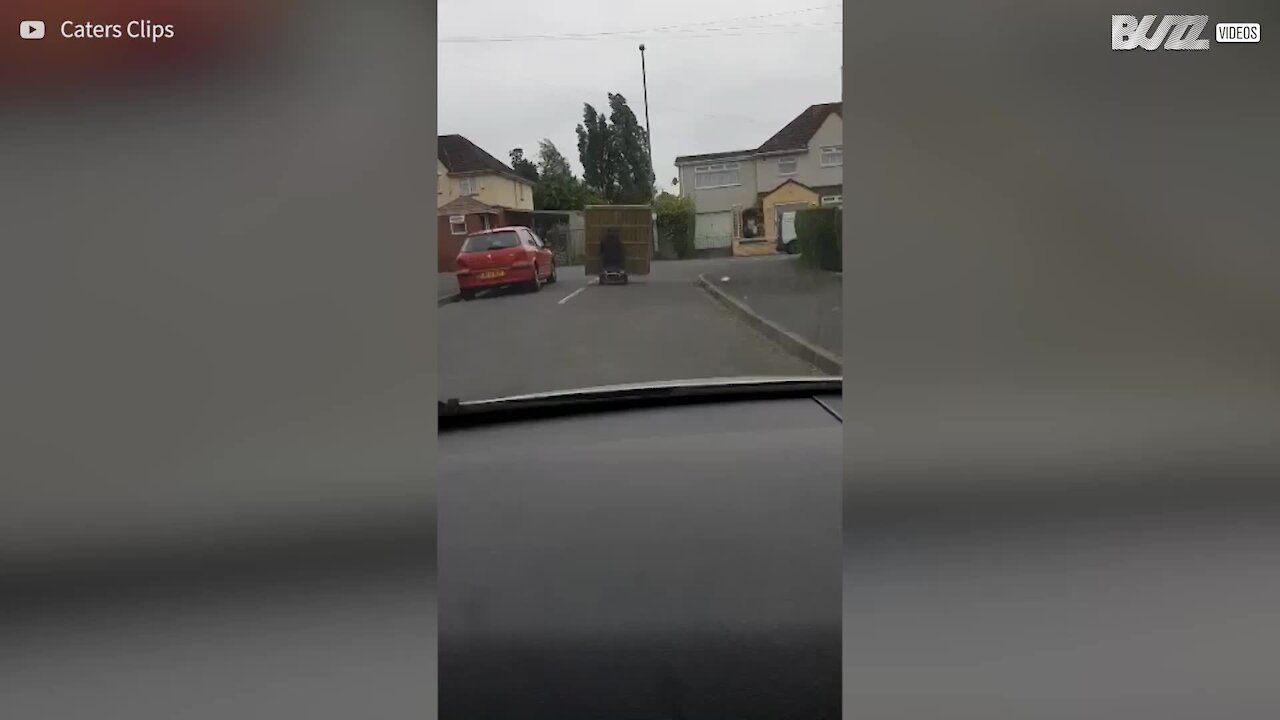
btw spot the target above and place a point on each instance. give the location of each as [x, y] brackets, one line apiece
[787, 165]
[719, 175]
[833, 156]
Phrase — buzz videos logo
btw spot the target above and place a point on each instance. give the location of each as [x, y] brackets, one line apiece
[1175, 32]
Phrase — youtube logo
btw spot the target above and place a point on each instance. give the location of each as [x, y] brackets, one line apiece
[31, 29]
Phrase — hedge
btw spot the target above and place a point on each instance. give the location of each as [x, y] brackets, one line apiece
[675, 223]
[820, 238]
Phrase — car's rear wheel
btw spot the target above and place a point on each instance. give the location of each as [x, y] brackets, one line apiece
[467, 294]
[792, 248]
[552, 277]
[536, 283]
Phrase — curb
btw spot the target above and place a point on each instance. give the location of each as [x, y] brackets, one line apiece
[441, 302]
[823, 359]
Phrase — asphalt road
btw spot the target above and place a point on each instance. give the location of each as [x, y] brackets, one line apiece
[577, 334]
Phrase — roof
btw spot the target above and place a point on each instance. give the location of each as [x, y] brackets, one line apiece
[460, 155]
[713, 156]
[465, 205]
[788, 181]
[796, 134]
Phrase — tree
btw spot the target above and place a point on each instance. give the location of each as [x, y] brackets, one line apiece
[558, 188]
[593, 152]
[614, 152]
[524, 168]
[551, 163]
[631, 153]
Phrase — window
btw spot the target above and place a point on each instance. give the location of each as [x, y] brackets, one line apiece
[467, 186]
[520, 186]
[833, 156]
[458, 224]
[832, 199]
[716, 176]
[501, 240]
[787, 166]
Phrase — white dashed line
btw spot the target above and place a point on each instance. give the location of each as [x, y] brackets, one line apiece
[566, 298]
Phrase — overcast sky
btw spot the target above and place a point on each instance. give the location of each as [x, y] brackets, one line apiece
[722, 79]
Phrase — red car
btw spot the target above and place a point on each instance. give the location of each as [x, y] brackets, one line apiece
[502, 257]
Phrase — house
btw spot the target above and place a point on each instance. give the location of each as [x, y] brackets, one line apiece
[474, 191]
[740, 195]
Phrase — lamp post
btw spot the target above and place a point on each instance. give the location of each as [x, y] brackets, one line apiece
[648, 141]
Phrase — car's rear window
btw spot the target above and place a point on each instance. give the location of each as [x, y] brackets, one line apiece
[491, 241]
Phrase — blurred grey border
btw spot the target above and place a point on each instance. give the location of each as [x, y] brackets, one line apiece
[219, 378]
[1062, 365]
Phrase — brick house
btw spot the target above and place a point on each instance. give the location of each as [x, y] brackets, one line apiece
[474, 191]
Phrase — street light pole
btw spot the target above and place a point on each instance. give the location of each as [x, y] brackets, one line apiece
[648, 138]
[644, 79]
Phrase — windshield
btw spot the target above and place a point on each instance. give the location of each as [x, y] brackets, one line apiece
[491, 241]
[712, 251]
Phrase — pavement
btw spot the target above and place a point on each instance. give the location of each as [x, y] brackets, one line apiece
[446, 284]
[803, 300]
[663, 326]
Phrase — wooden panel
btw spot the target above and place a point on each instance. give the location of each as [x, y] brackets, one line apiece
[635, 230]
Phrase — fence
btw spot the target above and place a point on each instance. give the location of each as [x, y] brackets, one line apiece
[564, 233]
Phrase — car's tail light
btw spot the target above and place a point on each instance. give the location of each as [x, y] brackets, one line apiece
[460, 264]
[523, 260]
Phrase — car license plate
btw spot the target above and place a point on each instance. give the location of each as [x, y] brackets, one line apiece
[492, 274]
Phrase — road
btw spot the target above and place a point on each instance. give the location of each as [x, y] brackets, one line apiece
[578, 334]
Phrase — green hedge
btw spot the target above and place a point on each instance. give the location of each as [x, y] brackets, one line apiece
[675, 223]
[819, 237]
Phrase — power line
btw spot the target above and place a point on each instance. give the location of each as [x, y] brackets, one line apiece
[711, 32]
[615, 33]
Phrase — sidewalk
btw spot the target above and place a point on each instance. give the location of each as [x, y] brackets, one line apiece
[446, 285]
[801, 300]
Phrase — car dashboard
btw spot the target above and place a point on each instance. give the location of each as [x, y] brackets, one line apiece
[659, 560]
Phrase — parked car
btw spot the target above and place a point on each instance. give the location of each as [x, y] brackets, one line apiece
[503, 257]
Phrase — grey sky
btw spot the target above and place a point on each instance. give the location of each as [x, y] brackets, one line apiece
[716, 82]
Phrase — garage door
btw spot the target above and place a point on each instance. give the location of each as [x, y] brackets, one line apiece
[713, 230]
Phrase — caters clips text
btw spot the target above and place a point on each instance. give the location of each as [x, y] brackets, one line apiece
[134, 29]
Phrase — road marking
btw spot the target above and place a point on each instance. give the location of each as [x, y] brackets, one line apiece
[566, 298]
